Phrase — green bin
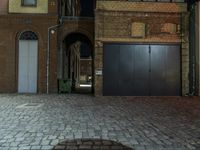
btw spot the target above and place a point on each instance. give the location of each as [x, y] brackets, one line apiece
[64, 85]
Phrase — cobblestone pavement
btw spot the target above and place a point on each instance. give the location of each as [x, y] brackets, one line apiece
[141, 123]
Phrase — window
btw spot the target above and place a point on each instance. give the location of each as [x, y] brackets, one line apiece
[28, 35]
[29, 2]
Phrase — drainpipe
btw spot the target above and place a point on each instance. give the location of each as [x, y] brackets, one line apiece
[193, 43]
[48, 55]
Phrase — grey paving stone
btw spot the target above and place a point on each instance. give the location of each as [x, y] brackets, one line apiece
[54, 142]
[116, 147]
[141, 122]
[35, 147]
[24, 147]
[45, 142]
[19, 139]
[48, 147]
[51, 137]
[5, 148]
[60, 147]
[14, 144]
[105, 147]
[72, 147]
[85, 147]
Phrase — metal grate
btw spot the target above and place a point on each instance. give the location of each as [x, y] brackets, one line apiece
[28, 35]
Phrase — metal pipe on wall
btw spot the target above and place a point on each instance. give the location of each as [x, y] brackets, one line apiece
[198, 52]
[48, 55]
[192, 49]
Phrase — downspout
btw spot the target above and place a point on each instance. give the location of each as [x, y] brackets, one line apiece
[48, 46]
[192, 50]
[48, 53]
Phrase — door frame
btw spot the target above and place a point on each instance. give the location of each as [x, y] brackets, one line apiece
[17, 60]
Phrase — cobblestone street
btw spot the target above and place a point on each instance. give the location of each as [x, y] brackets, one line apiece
[140, 123]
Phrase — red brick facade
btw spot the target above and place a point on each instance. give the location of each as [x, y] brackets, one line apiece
[113, 23]
[11, 26]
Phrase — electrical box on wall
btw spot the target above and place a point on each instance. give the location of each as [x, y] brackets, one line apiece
[98, 72]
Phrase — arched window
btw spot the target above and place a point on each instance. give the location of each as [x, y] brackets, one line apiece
[28, 35]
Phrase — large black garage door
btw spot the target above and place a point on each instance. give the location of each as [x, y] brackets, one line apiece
[141, 70]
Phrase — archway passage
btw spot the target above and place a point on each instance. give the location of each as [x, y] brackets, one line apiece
[28, 62]
[78, 62]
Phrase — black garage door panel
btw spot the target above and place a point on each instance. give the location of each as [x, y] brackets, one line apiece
[112, 68]
[125, 74]
[173, 70]
[165, 70]
[141, 70]
[158, 71]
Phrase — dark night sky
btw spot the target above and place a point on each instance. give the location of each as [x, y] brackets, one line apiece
[87, 8]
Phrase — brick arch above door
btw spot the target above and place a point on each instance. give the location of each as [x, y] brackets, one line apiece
[80, 31]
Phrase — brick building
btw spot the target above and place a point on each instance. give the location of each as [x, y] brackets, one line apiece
[141, 48]
[23, 45]
[137, 48]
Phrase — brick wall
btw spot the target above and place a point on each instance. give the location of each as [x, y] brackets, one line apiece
[53, 7]
[86, 68]
[114, 24]
[85, 27]
[3, 6]
[10, 28]
[185, 53]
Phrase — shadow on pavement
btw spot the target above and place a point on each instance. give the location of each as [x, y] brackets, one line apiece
[90, 144]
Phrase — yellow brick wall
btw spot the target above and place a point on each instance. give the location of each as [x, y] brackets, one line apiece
[165, 23]
[141, 7]
[16, 7]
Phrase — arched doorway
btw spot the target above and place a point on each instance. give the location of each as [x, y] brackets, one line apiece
[78, 61]
[28, 62]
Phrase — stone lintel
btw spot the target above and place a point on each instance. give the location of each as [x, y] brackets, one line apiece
[141, 6]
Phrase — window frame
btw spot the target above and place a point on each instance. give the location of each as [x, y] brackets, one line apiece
[28, 5]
